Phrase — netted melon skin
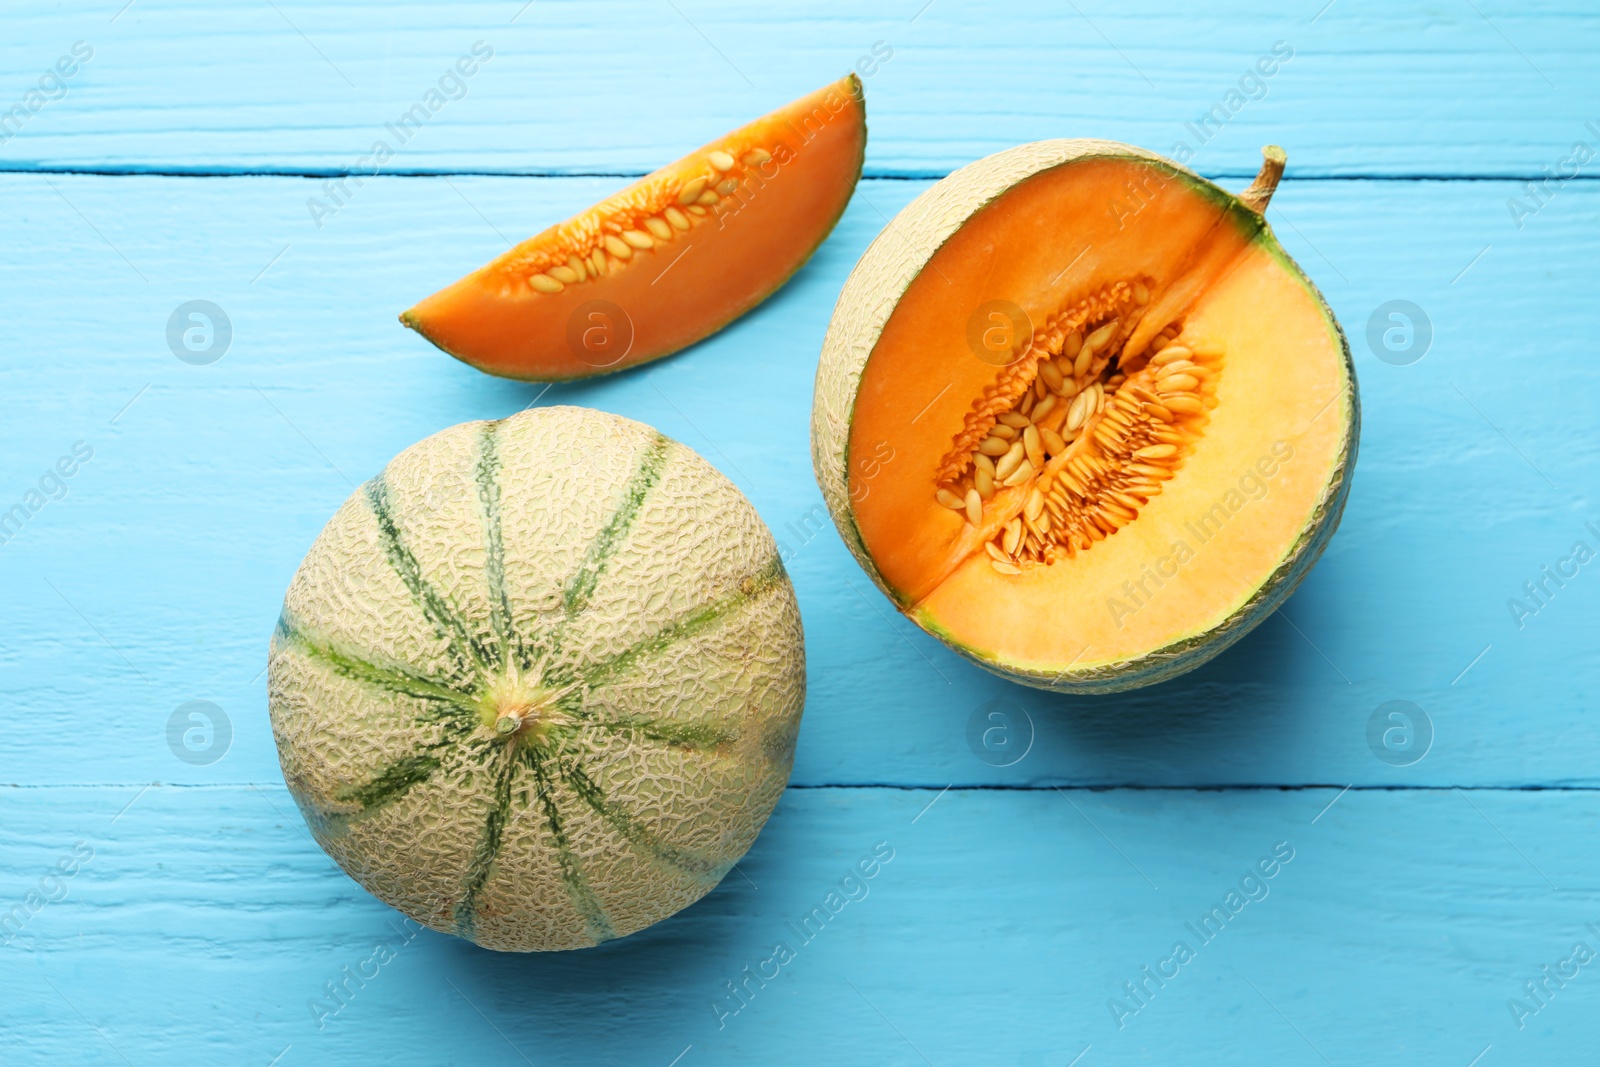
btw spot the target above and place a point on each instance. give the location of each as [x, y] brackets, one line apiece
[601, 582]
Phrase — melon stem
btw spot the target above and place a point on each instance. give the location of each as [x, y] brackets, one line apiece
[1260, 192]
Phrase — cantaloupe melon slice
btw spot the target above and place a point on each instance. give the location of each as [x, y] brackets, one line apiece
[1079, 415]
[667, 261]
[538, 683]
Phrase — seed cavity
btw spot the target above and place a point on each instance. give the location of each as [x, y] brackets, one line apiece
[637, 220]
[1065, 447]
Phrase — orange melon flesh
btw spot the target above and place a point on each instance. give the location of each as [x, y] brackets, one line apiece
[1282, 404]
[657, 266]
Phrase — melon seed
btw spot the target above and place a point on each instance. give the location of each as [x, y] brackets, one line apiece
[720, 159]
[950, 500]
[1002, 431]
[1023, 472]
[983, 463]
[545, 284]
[1034, 504]
[728, 188]
[756, 156]
[993, 446]
[658, 229]
[1051, 376]
[1005, 568]
[617, 247]
[709, 197]
[578, 266]
[974, 507]
[1080, 366]
[1007, 464]
[1033, 446]
[564, 274]
[983, 481]
[638, 239]
[679, 220]
[1015, 421]
[691, 192]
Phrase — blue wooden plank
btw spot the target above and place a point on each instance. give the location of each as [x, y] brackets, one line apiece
[157, 577]
[1370, 87]
[204, 926]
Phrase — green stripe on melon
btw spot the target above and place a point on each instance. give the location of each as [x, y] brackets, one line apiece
[589, 580]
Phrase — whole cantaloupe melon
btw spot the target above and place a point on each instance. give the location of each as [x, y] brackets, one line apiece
[538, 683]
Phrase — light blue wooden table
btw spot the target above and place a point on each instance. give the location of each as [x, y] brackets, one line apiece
[1412, 900]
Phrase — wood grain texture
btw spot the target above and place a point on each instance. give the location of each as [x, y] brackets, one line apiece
[176, 540]
[1372, 87]
[997, 933]
[205, 926]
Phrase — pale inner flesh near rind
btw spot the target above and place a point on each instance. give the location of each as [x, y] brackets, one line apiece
[1279, 404]
[608, 588]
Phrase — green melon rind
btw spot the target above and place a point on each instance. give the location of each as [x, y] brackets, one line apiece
[456, 704]
[894, 260]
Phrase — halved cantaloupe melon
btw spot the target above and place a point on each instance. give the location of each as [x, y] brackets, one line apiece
[1080, 416]
[667, 261]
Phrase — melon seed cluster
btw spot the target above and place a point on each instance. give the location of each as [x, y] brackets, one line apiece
[631, 227]
[1084, 445]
